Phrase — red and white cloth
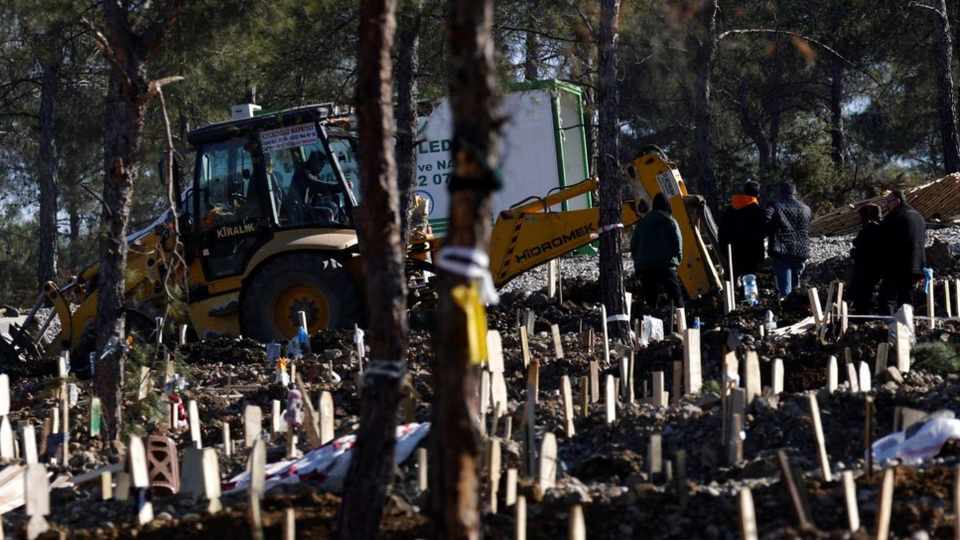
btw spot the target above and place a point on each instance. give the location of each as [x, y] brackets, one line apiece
[329, 463]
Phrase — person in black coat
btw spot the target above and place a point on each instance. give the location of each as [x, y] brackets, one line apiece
[788, 225]
[741, 228]
[867, 254]
[904, 233]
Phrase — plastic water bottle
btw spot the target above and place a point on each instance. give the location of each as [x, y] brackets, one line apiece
[750, 288]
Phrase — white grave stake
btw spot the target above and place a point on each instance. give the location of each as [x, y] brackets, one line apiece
[211, 480]
[692, 375]
[194, 414]
[548, 462]
[326, 417]
[29, 441]
[37, 489]
[258, 459]
[140, 478]
[252, 424]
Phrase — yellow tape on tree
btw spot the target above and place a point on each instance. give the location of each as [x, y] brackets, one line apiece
[467, 298]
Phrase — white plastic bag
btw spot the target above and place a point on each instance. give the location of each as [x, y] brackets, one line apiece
[651, 330]
[924, 443]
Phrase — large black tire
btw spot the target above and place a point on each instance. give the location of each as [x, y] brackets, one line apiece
[313, 283]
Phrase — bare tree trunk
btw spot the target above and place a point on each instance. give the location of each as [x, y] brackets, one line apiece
[946, 101]
[703, 122]
[476, 151]
[74, 249]
[531, 68]
[837, 135]
[122, 146]
[382, 249]
[753, 128]
[127, 92]
[47, 156]
[611, 180]
[408, 63]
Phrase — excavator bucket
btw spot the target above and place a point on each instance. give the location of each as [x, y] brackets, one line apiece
[651, 173]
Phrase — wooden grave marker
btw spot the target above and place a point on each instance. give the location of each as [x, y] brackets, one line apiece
[903, 348]
[578, 528]
[122, 491]
[752, 376]
[594, 381]
[210, 466]
[832, 375]
[566, 393]
[227, 442]
[824, 461]
[931, 321]
[194, 418]
[528, 319]
[584, 397]
[422, 469]
[37, 495]
[777, 376]
[510, 497]
[96, 413]
[853, 378]
[143, 389]
[310, 417]
[498, 386]
[886, 504]
[252, 424]
[6, 439]
[29, 441]
[815, 309]
[864, 382]
[106, 486]
[494, 464]
[557, 342]
[277, 425]
[850, 501]
[610, 400]
[655, 457]
[736, 404]
[692, 374]
[677, 383]
[326, 417]
[547, 471]
[525, 346]
[529, 441]
[520, 518]
[844, 318]
[4, 394]
[606, 336]
[258, 459]
[681, 316]
[289, 524]
[747, 514]
[533, 380]
[956, 297]
[883, 350]
[793, 491]
[141, 479]
[680, 485]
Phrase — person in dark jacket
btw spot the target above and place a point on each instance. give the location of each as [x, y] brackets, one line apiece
[867, 255]
[788, 226]
[741, 228]
[904, 232]
[657, 247]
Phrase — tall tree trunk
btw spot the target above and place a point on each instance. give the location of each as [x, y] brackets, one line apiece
[775, 107]
[611, 180]
[47, 156]
[408, 63]
[702, 119]
[127, 93]
[946, 101]
[123, 141]
[476, 151]
[382, 249]
[837, 135]
[531, 62]
[753, 128]
[74, 215]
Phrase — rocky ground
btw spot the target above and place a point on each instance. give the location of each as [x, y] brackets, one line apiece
[603, 467]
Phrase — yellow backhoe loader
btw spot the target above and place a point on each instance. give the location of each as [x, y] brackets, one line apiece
[267, 226]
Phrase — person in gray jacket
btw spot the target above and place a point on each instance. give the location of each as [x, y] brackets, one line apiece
[788, 226]
[657, 247]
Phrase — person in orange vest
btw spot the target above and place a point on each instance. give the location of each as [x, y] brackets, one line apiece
[741, 228]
